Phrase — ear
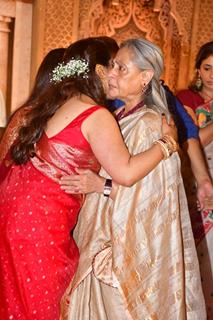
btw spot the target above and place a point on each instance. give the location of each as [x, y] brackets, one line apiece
[101, 71]
[198, 72]
[146, 76]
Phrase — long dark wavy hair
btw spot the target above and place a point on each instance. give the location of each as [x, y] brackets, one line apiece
[56, 94]
[44, 73]
[110, 43]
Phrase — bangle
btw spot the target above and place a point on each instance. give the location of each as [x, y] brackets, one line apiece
[168, 146]
[107, 187]
[164, 149]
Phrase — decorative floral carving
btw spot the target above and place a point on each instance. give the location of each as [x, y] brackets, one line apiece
[168, 23]
[157, 21]
[58, 23]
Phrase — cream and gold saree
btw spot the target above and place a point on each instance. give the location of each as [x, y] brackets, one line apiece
[137, 254]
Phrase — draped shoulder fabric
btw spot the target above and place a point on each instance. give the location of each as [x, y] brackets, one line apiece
[137, 254]
[8, 138]
[11, 132]
[38, 255]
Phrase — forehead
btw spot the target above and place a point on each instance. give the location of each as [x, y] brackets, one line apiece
[208, 60]
[125, 56]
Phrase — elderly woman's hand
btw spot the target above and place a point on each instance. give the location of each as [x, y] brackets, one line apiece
[169, 128]
[86, 181]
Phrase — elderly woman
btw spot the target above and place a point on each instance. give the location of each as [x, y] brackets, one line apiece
[137, 253]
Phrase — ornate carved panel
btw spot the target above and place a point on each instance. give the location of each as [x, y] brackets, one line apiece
[172, 24]
[205, 23]
[157, 21]
[58, 29]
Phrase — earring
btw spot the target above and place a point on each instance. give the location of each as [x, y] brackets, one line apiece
[198, 83]
[144, 88]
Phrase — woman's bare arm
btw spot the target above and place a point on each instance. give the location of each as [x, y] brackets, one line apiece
[104, 136]
[206, 134]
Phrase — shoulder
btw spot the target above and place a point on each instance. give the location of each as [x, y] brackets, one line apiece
[185, 94]
[189, 98]
[149, 119]
[99, 115]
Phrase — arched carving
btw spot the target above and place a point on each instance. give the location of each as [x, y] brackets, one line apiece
[156, 20]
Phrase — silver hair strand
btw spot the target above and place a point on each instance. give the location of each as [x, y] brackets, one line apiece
[147, 55]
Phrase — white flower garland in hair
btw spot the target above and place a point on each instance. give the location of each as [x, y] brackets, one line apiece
[74, 67]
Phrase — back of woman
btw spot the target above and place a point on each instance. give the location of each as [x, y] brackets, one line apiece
[38, 257]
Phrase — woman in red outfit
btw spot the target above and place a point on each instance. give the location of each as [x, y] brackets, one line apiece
[199, 98]
[66, 127]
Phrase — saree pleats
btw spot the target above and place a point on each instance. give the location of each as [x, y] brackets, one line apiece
[140, 246]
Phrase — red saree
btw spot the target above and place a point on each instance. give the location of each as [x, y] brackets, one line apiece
[38, 256]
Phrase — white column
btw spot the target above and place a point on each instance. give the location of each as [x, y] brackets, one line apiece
[21, 54]
[4, 46]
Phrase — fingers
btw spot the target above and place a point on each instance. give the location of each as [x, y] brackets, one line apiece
[171, 122]
[71, 189]
[164, 120]
[82, 171]
[69, 179]
[200, 205]
[86, 181]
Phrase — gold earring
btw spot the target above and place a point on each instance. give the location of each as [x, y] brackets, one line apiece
[198, 82]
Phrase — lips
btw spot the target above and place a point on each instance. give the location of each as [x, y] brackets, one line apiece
[112, 86]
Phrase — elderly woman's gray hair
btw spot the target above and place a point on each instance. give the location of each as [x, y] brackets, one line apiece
[147, 56]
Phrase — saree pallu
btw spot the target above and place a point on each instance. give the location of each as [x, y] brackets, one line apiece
[38, 255]
[137, 254]
[202, 222]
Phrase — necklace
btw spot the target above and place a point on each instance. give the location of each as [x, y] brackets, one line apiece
[122, 113]
[206, 97]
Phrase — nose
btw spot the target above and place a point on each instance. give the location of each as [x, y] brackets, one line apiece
[112, 73]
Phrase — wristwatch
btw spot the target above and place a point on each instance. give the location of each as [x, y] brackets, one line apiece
[107, 187]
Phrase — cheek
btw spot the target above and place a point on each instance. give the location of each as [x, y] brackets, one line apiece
[204, 74]
[129, 86]
[123, 86]
[112, 92]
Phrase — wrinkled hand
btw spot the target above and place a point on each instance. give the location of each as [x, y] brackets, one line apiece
[169, 128]
[204, 192]
[86, 181]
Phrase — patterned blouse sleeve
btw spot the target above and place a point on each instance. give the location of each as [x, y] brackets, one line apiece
[11, 131]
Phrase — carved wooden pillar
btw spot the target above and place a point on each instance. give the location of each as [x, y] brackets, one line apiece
[195, 31]
[4, 46]
[21, 53]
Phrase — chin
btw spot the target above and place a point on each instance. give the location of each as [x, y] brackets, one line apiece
[111, 96]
